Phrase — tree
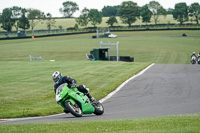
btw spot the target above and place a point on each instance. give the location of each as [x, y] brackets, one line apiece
[50, 22]
[7, 20]
[146, 14]
[111, 21]
[128, 12]
[35, 16]
[23, 20]
[169, 10]
[95, 17]
[156, 10]
[16, 14]
[76, 26]
[108, 11]
[180, 12]
[194, 11]
[69, 8]
[83, 19]
[0, 20]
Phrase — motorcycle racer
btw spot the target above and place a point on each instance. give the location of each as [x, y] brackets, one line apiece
[198, 58]
[59, 79]
[193, 58]
[194, 55]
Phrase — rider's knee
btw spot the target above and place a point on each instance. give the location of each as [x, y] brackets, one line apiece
[82, 88]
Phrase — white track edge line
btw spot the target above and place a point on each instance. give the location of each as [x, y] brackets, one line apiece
[27, 118]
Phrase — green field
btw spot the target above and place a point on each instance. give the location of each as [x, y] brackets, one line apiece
[170, 124]
[70, 22]
[27, 87]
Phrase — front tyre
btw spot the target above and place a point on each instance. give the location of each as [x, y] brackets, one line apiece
[99, 110]
[73, 109]
[193, 62]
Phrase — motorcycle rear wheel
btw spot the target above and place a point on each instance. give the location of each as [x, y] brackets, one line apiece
[73, 109]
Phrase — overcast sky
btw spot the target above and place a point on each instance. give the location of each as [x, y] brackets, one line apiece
[53, 6]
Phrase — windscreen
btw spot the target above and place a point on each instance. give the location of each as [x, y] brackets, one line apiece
[59, 89]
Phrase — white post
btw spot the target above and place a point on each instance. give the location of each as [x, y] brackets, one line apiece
[30, 57]
[97, 33]
[117, 51]
[100, 44]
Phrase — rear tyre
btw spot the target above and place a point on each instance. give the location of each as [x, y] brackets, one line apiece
[73, 109]
[99, 110]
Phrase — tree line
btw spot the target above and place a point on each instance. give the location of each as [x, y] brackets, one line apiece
[128, 12]
[24, 18]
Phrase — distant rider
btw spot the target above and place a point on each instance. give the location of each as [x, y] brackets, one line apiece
[198, 58]
[59, 79]
[193, 56]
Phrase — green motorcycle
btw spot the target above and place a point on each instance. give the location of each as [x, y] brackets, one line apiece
[77, 103]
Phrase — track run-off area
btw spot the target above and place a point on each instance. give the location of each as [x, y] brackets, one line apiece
[159, 90]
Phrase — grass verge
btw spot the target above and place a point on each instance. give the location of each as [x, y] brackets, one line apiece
[167, 124]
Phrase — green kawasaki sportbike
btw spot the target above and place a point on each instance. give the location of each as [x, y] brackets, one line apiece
[76, 103]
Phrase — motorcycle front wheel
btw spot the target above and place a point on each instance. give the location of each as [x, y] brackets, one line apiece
[193, 62]
[73, 109]
[99, 110]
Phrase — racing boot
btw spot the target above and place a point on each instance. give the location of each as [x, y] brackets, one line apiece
[92, 99]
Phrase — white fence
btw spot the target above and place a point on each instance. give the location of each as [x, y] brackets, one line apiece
[35, 58]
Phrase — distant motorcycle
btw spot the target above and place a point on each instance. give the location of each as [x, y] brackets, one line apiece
[193, 60]
[198, 60]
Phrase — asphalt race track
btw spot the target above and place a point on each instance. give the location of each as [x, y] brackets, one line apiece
[162, 90]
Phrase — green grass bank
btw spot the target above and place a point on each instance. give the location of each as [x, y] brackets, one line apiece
[168, 124]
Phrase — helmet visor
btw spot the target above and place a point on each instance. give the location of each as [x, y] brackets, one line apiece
[56, 80]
